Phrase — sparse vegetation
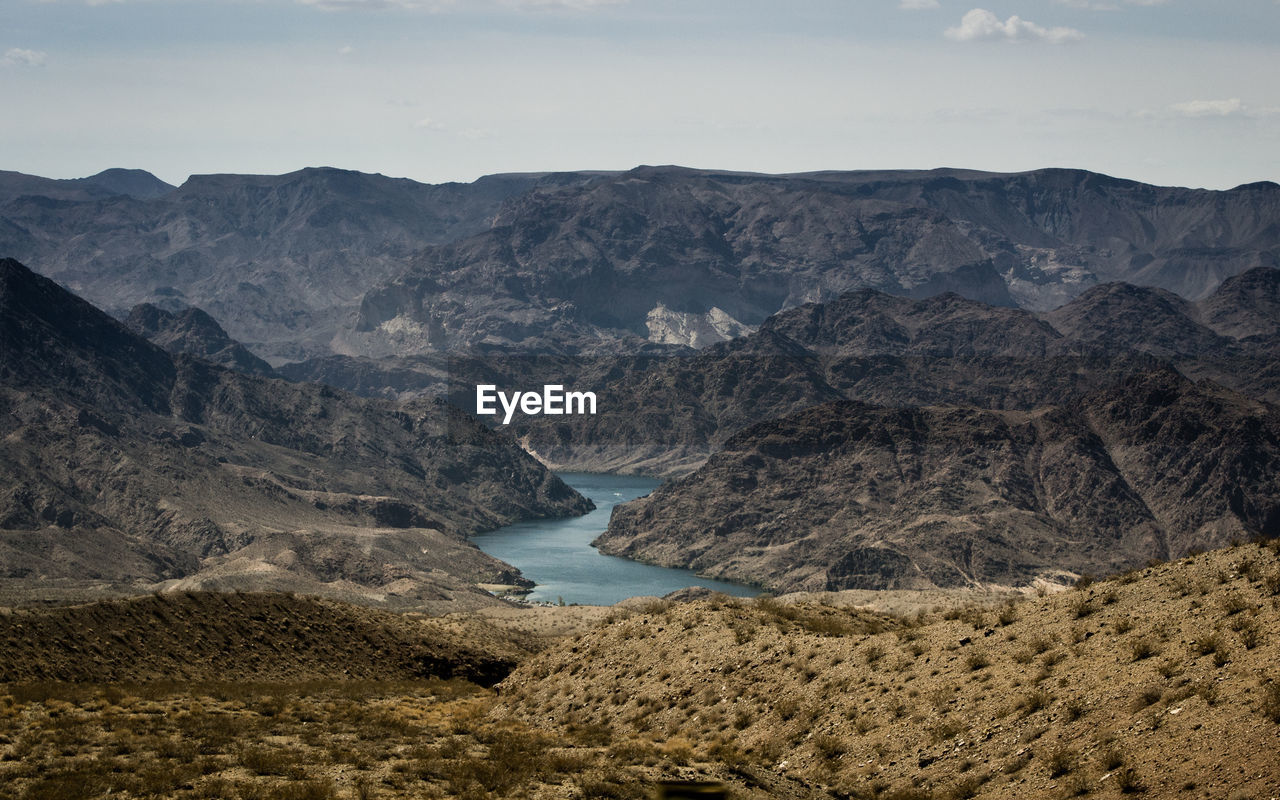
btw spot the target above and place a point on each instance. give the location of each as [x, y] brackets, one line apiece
[1143, 648]
[673, 687]
[1271, 701]
[1060, 761]
[1081, 606]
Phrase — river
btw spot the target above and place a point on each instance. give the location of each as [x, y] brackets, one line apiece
[558, 556]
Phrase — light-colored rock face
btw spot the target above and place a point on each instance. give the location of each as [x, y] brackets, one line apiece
[695, 330]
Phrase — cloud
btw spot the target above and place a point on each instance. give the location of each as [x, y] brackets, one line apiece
[913, 5]
[346, 50]
[428, 124]
[18, 57]
[980, 25]
[1210, 108]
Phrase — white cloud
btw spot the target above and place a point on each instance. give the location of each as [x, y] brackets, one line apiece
[346, 50]
[428, 124]
[913, 5]
[18, 57]
[1209, 108]
[980, 25]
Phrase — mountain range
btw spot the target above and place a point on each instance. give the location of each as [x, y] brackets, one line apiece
[867, 380]
[656, 251]
[325, 261]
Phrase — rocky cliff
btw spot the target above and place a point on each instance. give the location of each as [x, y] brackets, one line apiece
[664, 411]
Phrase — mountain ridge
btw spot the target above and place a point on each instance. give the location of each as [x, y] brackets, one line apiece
[129, 468]
[851, 496]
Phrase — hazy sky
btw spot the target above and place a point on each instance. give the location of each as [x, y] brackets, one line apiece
[1182, 92]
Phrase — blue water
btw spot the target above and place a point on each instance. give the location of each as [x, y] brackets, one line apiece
[558, 556]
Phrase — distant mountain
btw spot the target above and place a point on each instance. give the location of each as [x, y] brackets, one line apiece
[279, 260]
[127, 468]
[670, 254]
[323, 261]
[846, 495]
[135, 183]
[194, 332]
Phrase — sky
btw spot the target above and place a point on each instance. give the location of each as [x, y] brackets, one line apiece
[1172, 92]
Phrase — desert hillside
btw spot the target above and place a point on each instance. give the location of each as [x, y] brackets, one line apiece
[1160, 682]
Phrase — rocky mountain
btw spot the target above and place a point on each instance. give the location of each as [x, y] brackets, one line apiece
[194, 332]
[671, 254]
[847, 495]
[280, 260]
[128, 468]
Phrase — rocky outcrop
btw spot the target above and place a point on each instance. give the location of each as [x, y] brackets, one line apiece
[692, 330]
[847, 495]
